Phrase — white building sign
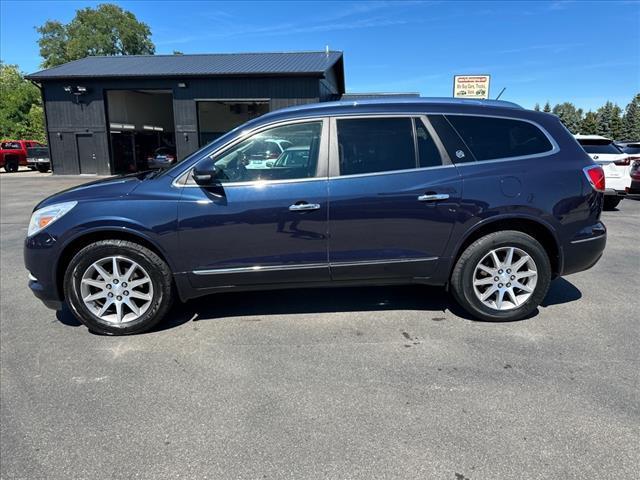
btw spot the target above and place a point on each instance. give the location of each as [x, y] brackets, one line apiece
[471, 86]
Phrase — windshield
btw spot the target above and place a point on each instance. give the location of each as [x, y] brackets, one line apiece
[600, 146]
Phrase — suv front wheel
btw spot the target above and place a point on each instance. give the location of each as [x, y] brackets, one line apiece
[118, 287]
[502, 276]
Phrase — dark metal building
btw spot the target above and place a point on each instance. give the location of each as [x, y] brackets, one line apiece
[108, 115]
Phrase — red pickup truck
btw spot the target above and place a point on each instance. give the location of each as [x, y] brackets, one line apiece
[13, 153]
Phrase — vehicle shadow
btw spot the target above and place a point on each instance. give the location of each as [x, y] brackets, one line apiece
[434, 301]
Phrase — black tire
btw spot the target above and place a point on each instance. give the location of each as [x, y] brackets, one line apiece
[157, 269]
[464, 270]
[43, 168]
[611, 202]
[11, 165]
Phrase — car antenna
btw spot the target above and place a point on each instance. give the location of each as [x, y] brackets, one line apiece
[500, 94]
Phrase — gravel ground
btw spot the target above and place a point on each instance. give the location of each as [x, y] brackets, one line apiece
[340, 384]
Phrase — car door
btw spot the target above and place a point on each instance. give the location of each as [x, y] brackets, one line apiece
[393, 198]
[260, 226]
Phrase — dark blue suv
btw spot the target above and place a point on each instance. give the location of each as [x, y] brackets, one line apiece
[483, 197]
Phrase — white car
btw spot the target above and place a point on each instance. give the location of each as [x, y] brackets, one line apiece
[616, 165]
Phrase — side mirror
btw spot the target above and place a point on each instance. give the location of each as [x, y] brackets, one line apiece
[205, 172]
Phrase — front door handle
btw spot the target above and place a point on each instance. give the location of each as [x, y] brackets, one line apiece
[434, 197]
[303, 207]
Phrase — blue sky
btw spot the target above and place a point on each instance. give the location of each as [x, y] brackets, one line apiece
[578, 51]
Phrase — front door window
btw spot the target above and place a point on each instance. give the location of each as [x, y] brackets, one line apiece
[279, 153]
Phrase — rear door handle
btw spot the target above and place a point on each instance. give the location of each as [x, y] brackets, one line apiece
[303, 207]
[434, 197]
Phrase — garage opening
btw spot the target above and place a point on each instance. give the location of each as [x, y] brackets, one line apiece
[141, 130]
[215, 118]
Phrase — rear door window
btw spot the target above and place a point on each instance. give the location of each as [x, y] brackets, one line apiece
[491, 138]
[368, 145]
[428, 153]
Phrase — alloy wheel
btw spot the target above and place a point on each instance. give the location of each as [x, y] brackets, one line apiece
[116, 289]
[505, 278]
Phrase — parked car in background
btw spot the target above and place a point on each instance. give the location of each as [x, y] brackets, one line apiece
[484, 197]
[162, 157]
[634, 188]
[632, 149]
[38, 158]
[615, 163]
[263, 152]
[13, 153]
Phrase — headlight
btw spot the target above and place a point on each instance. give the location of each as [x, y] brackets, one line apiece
[46, 216]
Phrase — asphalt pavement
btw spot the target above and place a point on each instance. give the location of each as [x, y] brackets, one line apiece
[355, 383]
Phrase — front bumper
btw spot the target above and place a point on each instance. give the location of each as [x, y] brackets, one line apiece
[40, 255]
[43, 295]
[38, 161]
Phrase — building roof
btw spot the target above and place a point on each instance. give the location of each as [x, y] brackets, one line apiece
[217, 64]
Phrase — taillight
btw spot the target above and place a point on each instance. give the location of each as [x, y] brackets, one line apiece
[624, 162]
[595, 175]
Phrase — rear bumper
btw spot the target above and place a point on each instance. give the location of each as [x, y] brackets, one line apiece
[634, 189]
[585, 249]
[610, 192]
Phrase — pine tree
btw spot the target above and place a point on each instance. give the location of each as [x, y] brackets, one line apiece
[547, 107]
[617, 125]
[536, 107]
[631, 120]
[569, 115]
[589, 124]
[605, 116]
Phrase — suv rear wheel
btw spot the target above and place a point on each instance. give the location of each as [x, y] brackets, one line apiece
[118, 287]
[502, 276]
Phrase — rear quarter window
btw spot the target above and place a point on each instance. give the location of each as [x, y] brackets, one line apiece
[491, 138]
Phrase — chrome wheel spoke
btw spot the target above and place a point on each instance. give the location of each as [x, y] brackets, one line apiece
[484, 268]
[496, 260]
[118, 311]
[524, 259]
[108, 302]
[509, 259]
[514, 298]
[138, 282]
[490, 291]
[484, 281]
[95, 296]
[140, 295]
[127, 275]
[132, 306]
[500, 299]
[504, 287]
[102, 272]
[94, 283]
[522, 287]
[528, 273]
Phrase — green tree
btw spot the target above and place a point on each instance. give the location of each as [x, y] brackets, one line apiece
[547, 107]
[105, 30]
[536, 107]
[609, 121]
[589, 124]
[569, 115]
[20, 106]
[631, 120]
